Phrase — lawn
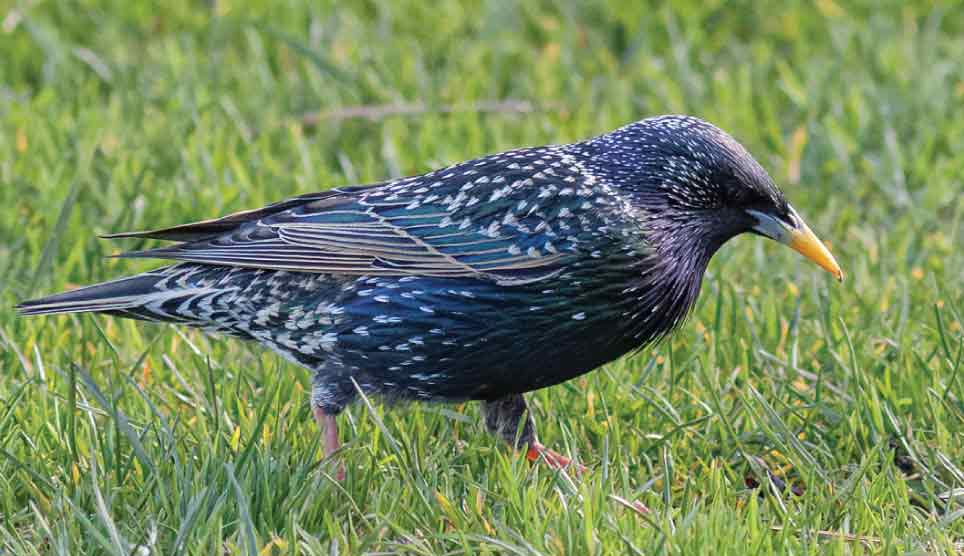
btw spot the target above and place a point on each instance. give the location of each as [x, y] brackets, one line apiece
[119, 437]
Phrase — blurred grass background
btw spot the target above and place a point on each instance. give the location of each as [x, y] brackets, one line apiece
[123, 438]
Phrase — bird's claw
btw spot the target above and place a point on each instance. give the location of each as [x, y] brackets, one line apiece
[538, 452]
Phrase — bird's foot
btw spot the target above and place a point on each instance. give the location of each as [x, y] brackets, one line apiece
[634, 505]
[555, 460]
[340, 473]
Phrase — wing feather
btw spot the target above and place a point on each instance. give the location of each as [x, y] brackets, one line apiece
[489, 228]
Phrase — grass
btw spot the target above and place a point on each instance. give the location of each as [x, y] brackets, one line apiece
[124, 438]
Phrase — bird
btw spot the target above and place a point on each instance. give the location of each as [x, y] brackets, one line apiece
[480, 281]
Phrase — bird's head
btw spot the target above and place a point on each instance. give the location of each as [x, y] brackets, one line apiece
[695, 187]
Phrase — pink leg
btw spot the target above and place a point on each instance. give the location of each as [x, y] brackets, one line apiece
[551, 458]
[329, 432]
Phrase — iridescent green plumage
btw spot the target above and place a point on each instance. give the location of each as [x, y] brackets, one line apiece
[483, 280]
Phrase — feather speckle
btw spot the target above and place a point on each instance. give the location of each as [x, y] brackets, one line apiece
[482, 280]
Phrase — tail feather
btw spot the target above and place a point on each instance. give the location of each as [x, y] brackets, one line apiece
[125, 293]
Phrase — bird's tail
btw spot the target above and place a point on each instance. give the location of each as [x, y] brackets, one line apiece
[124, 296]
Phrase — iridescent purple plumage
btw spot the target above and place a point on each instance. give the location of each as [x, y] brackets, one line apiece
[480, 281]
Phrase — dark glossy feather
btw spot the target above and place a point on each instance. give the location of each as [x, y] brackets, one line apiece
[488, 278]
[473, 219]
[205, 229]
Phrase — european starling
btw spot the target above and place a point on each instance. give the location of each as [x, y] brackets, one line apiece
[480, 281]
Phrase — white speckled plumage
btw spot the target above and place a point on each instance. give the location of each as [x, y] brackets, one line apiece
[485, 279]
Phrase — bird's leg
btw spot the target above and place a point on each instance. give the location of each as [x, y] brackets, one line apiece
[329, 434]
[509, 418]
[329, 430]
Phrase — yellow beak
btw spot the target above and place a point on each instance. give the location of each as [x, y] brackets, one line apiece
[805, 242]
[798, 237]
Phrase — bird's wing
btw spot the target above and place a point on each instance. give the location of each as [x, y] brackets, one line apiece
[509, 222]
